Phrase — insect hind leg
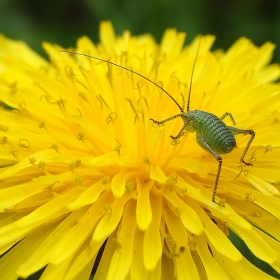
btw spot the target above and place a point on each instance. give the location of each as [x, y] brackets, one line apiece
[204, 145]
[230, 115]
[251, 132]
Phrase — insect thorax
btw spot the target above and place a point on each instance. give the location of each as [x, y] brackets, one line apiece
[212, 129]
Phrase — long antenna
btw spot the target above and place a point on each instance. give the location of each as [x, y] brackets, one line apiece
[127, 69]
[190, 89]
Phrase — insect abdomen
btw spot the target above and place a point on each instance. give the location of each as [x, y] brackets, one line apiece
[213, 130]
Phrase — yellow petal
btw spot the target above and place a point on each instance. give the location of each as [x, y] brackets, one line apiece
[178, 234]
[143, 210]
[110, 220]
[215, 236]
[188, 216]
[152, 246]
[213, 270]
[122, 257]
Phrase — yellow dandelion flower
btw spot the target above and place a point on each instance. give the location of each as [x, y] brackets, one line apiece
[87, 180]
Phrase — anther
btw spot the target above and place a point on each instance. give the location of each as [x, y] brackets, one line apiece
[50, 187]
[80, 113]
[42, 124]
[256, 214]
[268, 148]
[41, 88]
[136, 112]
[139, 106]
[80, 136]
[46, 97]
[4, 140]
[83, 95]
[69, 72]
[14, 152]
[41, 164]
[32, 161]
[61, 102]
[55, 147]
[248, 197]
[102, 101]
[146, 160]
[24, 143]
[117, 148]
[111, 117]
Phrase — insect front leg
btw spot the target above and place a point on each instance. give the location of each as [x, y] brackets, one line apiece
[187, 123]
[251, 132]
[181, 132]
[166, 120]
[204, 145]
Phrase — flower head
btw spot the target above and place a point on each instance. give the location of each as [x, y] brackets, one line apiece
[87, 180]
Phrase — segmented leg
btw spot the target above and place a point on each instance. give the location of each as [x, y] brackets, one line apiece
[230, 115]
[251, 132]
[166, 120]
[181, 132]
[204, 145]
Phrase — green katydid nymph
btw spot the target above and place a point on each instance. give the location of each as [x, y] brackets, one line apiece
[212, 134]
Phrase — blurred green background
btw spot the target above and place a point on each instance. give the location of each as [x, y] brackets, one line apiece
[63, 21]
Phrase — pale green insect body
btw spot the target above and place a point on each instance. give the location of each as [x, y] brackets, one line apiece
[208, 126]
[212, 134]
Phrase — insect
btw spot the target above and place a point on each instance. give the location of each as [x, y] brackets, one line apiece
[212, 134]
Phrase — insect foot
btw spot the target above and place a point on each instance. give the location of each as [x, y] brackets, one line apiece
[245, 132]
[247, 163]
[155, 122]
